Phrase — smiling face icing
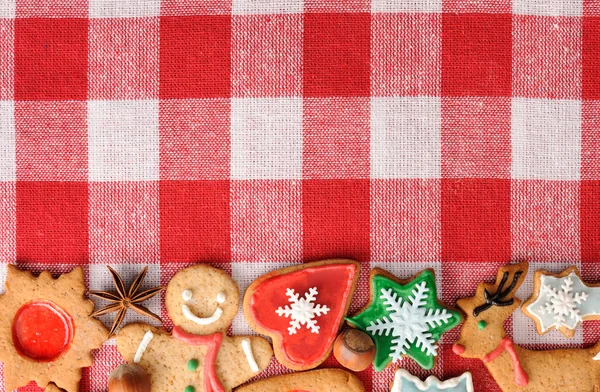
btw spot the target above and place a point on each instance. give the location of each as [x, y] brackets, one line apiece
[202, 300]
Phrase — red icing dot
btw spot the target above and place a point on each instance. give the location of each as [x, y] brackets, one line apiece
[42, 331]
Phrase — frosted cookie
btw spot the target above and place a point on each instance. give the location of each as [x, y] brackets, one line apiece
[302, 309]
[405, 318]
[514, 368]
[197, 356]
[406, 382]
[562, 301]
[46, 333]
[322, 380]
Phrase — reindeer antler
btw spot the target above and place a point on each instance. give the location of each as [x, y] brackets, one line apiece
[497, 299]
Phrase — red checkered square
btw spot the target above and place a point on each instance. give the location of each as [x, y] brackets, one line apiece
[335, 216]
[406, 54]
[476, 54]
[336, 54]
[486, 7]
[319, 6]
[266, 55]
[590, 221]
[194, 139]
[123, 60]
[51, 140]
[195, 56]
[266, 220]
[52, 222]
[51, 8]
[591, 7]
[547, 57]
[336, 138]
[590, 66]
[8, 223]
[7, 58]
[590, 142]
[7, 141]
[475, 217]
[124, 222]
[545, 220]
[192, 8]
[194, 221]
[51, 59]
[405, 222]
[476, 138]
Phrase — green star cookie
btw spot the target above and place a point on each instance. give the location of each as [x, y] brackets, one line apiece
[405, 318]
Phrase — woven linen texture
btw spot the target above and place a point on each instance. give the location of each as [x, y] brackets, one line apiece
[457, 135]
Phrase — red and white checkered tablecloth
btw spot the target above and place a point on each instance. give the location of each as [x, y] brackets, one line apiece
[254, 134]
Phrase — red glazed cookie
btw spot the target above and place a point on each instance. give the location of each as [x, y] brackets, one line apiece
[302, 308]
[46, 334]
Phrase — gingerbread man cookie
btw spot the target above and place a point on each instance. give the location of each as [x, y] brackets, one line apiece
[302, 309]
[321, 380]
[197, 356]
[46, 333]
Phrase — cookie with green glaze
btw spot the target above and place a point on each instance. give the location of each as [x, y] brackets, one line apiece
[405, 318]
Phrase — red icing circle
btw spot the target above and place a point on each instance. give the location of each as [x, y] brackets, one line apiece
[42, 331]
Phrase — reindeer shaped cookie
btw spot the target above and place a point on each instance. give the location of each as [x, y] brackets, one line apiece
[515, 368]
[197, 356]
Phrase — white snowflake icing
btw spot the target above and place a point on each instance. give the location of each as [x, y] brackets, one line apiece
[302, 311]
[409, 321]
[564, 302]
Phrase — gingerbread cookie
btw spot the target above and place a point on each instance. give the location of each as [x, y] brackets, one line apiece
[513, 367]
[406, 382]
[322, 380]
[200, 299]
[47, 334]
[562, 301]
[404, 318]
[301, 308]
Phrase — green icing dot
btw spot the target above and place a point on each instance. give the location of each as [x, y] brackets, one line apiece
[192, 365]
[481, 324]
[190, 388]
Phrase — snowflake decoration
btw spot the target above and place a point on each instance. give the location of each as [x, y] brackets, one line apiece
[302, 311]
[405, 320]
[409, 321]
[564, 302]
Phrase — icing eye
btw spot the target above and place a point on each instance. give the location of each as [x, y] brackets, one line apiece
[481, 324]
[186, 295]
[221, 297]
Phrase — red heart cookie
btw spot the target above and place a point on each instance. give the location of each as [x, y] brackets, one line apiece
[302, 308]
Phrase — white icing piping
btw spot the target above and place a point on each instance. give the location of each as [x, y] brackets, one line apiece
[186, 295]
[221, 297]
[597, 357]
[143, 346]
[247, 347]
[430, 381]
[201, 320]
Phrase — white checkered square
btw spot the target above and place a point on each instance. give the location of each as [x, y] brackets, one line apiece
[123, 140]
[100, 280]
[420, 6]
[7, 141]
[7, 9]
[124, 8]
[524, 331]
[3, 271]
[245, 7]
[266, 138]
[405, 137]
[548, 7]
[244, 273]
[546, 139]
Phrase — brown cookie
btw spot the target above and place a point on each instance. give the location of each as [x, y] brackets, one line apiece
[47, 334]
[515, 368]
[202, 299]
[562, 301]
[174, 363]
[321, 380]
[302, 309]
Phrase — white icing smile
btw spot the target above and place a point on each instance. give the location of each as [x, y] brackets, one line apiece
[187, 312]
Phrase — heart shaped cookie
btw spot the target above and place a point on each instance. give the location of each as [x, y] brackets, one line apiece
[302, 308]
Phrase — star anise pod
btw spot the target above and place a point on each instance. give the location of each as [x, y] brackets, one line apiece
[126, 299]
